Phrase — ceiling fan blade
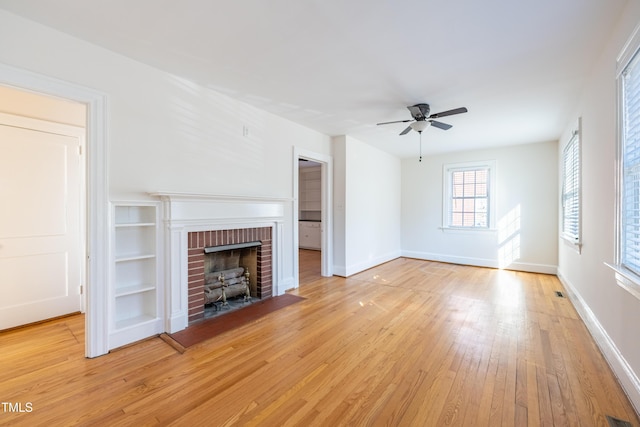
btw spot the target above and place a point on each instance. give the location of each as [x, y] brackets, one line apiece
[448, 113]
[397, 121]
[406, 131]
[416, 112]
[440, 125]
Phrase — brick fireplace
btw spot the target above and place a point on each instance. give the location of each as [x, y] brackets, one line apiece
[199, 240]
[196, 221]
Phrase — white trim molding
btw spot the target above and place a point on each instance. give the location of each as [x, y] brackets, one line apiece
[482, 262]
[349, 270]
[97, 250]
[623, 371]
[626, 280]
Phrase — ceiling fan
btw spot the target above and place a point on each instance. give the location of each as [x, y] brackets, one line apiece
[421, 118]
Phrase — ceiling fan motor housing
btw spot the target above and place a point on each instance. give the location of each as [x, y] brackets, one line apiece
[420, 112]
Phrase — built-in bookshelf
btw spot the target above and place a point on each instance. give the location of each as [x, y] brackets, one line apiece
[137, 299]
[309, 197]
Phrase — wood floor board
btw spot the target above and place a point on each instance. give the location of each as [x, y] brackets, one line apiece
[407, 343]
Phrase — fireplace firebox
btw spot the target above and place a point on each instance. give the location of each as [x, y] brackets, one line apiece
[227, 251]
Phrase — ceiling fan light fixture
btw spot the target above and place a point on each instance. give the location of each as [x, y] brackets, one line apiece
[419, 126]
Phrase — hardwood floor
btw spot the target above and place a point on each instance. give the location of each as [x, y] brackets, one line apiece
[406, 343]
[309, 266]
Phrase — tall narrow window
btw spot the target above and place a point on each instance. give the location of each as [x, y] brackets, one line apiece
[630, 186]
[571, 189]
[468, 190]
[627, 256]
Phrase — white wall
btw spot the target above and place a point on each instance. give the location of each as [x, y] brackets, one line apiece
[611, 313]
[525, 237]
[367, 204]
[165, 133]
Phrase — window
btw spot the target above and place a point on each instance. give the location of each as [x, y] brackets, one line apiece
[468, 189]
[627, 256]
[629, 202]
[571, 189]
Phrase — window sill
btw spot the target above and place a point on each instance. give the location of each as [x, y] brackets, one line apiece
[575, 244]
[467, 230]
[626, 280]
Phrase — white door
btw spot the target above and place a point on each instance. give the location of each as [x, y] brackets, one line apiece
[40, 220]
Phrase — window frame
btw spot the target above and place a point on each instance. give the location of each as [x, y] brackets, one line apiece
[448, 171]
[625, 277]
[573, 148]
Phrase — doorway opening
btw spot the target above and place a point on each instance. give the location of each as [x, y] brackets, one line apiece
[96, 233]
[309, 220]
[42, 139]
[313, 228]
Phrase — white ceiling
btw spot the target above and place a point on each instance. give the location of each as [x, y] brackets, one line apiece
[341, 66]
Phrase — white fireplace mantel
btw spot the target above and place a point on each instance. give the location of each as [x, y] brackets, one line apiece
[185, 208]
[183, 213]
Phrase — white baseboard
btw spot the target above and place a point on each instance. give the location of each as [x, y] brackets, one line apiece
[340, 270]
[346, 271]
[482, 262]
[626, 377]
[176, 322]
[350, 270]
[285, 285]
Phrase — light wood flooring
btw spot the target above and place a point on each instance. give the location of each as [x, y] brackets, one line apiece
[408, 343]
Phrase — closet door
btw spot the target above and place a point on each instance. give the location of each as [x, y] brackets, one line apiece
[40, 223]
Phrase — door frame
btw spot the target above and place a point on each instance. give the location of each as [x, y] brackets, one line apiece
[326, 205]
[97, 206]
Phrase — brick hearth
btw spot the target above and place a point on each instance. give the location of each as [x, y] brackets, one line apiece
[201, 239]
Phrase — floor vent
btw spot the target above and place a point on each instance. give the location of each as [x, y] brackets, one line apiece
[614, 422]
[559, 294]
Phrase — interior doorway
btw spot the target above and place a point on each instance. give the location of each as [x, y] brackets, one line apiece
[96, 195]
[42, 230]
[312, 218]
[309, 220]
[41, 242]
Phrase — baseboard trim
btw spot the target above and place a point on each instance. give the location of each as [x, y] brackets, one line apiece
[339, 270]
[285, 285]
[350, 270]
[626, 377]
[482, 262]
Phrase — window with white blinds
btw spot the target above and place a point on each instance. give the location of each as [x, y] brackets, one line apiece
[630, 186]
[571, 189]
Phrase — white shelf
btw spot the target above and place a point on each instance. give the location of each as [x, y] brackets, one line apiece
[310, 193]
[135, 289]
[134, 214]
[136, 300]
[133, 224]
[135, 321]
[134, 257]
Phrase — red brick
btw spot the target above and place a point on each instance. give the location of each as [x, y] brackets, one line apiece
[196, 261]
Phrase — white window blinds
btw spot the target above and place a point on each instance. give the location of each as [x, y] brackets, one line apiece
[571, 189]
[630, 197]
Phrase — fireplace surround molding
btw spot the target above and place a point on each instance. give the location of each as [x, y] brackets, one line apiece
[183, 213]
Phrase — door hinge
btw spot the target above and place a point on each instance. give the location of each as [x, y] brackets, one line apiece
[81, 289]
[80, 150]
